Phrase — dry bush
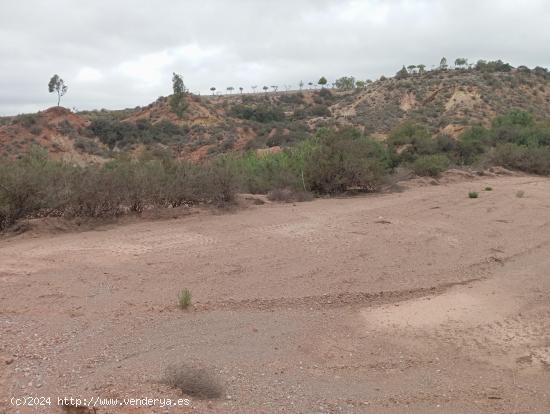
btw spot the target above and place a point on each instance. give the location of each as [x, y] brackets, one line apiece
[288, 195]
[36, 186]
[195, 382]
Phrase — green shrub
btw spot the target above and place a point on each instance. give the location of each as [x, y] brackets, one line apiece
[320, 110]
[121, 135]
[430, 165]
[339, 160]
[473, 194]
[260, 173]
[30, 185]
[531, 159]
[27, 120]
[471, 144]
[259, 113]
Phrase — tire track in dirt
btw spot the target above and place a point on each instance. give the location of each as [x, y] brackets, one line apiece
[334, 300]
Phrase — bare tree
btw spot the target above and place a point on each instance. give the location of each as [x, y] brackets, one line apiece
[254, 88]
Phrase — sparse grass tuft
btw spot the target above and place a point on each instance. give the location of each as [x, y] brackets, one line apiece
[520, 194]
[195, 382]
[488, 188]
[473, 194]
[184, 298]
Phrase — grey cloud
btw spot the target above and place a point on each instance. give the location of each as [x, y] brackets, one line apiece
[135, 45]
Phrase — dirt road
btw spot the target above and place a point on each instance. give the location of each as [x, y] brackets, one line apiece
[424, 301]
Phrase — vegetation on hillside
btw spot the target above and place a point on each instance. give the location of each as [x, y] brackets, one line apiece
[332, 161]
[443, 100]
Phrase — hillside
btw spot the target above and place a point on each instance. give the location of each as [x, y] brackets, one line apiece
[445, 101]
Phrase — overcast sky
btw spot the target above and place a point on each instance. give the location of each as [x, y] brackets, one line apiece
[121, 53]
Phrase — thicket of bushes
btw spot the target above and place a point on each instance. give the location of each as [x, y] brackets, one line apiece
[329, 162]
[37, 186]
[259, 113]
[121, 135]
[514, 141]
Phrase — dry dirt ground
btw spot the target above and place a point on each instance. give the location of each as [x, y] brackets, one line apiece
[424, 301]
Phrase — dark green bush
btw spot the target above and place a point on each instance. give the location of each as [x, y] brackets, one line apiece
[471, 144]
[319, 110]
[531, 159]
[341, 160]
[430, 165]
[260, 113]
[117, 134]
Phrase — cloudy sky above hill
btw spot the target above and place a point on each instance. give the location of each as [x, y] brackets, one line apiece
[121, 53]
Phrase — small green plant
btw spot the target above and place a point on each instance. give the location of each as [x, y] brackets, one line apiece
[520, 194]
[488, 188]
[473, 194]
[184, 298]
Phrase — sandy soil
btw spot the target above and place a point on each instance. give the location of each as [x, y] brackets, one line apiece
[423, 301]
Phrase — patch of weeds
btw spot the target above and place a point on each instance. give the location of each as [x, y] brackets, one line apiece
[473, 194]
[195, 382]
[184, 298]
[520, 194]
[488, 188]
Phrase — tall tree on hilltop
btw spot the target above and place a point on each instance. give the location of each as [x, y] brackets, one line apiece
[443, 63]
[178, 101]
[323, 81]
[345, 82]
[402, 74]
[57, 85]
[461, 62]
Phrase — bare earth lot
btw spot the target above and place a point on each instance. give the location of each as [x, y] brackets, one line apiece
[423, 301]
